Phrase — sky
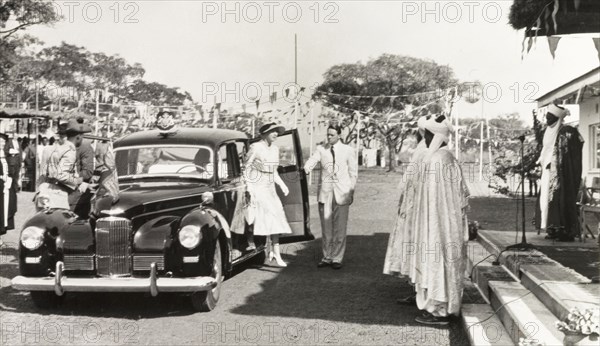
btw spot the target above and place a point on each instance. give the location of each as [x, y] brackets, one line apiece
[228, 48]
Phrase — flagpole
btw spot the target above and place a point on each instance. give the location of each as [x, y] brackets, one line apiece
[97, 103]
[481, 152]
[489, 142]
[295, 124]
[312, 130]
[357, 135]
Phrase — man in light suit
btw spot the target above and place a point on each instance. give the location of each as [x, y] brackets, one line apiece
[339, 171]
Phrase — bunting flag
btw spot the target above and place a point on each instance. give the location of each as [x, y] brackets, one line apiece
[597, 44]
[529, 44]
[257, 104]
[244, 108]
[273, 97]
[287, 92]
[553, 44]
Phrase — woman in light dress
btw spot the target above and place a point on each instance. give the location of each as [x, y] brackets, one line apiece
[265, 209]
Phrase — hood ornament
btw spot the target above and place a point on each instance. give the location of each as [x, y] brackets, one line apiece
[165, 123]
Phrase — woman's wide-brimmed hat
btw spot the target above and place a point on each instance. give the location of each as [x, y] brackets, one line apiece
[73, 127]
[268, 128]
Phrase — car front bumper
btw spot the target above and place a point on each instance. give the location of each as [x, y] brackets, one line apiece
[153, 284]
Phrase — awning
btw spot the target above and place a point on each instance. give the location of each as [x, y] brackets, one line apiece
[16, 113]
[579, 88]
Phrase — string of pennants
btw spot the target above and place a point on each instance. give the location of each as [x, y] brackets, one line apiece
[303, 110]
[386, 96]
[273, 98]
[388, 116]
[465, 135]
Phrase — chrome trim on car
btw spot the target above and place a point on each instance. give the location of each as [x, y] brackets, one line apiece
[143, 262]
[79, 262]
[113, 246]
[152, 284]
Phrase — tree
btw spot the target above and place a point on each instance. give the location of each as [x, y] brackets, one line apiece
[508, 162]
[113, 73]
[25, 13]
[157, 94]
[15, 16]
[390, 119]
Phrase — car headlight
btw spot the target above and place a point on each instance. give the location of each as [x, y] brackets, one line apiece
[32, 237]
[189, 236]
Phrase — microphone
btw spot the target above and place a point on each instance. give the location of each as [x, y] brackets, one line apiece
[522, 136]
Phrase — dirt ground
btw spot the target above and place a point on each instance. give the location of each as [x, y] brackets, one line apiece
[297, 305]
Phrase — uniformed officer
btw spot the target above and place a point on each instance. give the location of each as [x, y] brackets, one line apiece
[60, 169]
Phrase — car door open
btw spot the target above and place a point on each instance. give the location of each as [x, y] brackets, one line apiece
[292, 173]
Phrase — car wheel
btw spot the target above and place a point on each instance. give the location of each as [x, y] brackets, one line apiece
[207, 300]
[45, 299]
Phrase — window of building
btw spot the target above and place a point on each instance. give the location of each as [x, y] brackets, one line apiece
[595, 145]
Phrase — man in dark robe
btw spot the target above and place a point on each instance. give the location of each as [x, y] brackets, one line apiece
[14, 160]
[560, 161]
[2, 178]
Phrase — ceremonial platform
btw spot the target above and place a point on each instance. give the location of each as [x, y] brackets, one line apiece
[527, 292]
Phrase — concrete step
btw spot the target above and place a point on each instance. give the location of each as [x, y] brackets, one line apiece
[557, 292]
[483, 326]
[558, 288]
[522, 314]
[484, 271]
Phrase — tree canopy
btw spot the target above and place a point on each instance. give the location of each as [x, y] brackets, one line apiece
[25, 13]
[372, 83]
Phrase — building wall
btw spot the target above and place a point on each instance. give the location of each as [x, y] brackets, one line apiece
[589, 116]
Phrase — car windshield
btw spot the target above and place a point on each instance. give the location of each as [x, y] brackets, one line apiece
[183, 161]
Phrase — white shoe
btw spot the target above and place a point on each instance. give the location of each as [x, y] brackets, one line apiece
[276, 255]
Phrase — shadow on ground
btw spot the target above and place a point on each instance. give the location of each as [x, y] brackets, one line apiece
[357, 294]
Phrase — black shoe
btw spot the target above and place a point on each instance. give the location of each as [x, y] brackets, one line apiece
[323, 264]
[410, 300]
[336, 265]
[433, 320]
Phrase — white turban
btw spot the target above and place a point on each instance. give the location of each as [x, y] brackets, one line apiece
[558, 111]
[441, 130]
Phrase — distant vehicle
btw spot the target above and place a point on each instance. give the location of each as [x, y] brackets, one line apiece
[178, 225]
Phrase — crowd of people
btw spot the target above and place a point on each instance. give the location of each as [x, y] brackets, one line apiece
[427, 245]
[63, 171]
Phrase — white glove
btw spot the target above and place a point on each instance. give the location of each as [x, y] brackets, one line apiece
[284, 189]
[82, 187]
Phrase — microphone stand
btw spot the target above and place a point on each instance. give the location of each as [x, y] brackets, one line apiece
[523, 245]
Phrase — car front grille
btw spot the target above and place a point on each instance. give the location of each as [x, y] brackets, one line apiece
[79, 262]
[113, 246]
[143, 262]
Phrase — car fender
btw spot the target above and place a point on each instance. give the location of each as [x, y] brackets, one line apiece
[155, 235]
[54, 222]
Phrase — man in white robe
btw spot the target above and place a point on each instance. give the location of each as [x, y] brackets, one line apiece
[400, 255]
[441, 228]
